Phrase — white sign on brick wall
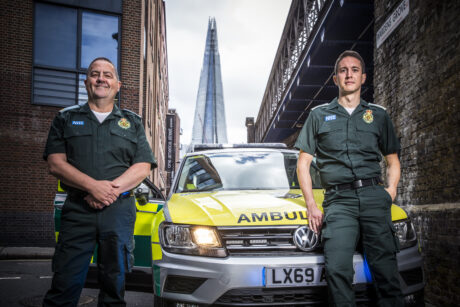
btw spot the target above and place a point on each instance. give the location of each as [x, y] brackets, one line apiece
[392, 22]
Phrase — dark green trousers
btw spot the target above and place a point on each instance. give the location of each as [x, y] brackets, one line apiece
[349, 215]
[81, 228]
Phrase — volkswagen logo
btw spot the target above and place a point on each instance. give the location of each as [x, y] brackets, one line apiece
[305, 239]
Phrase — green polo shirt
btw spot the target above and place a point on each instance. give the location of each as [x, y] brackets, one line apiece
[348, 147]
[104, 150]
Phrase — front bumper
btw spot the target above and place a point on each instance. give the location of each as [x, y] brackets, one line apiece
[410, 267]
[240, 280]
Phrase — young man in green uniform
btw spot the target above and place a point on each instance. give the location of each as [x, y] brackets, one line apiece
[100, 153]
[349, 137]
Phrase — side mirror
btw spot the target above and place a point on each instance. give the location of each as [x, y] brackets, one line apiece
[142, 194]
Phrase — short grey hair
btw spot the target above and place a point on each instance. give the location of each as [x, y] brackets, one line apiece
[102, 59]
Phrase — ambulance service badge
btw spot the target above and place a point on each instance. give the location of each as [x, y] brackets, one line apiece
[124, 123]
[368, 117]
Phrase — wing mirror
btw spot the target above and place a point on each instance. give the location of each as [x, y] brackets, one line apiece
[142, 194]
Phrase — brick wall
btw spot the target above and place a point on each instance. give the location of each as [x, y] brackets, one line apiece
[131, 54]
[159, 90]
[416, 77]
[27, 190]
[440, 242]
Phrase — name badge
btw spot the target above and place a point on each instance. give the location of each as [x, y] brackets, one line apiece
[330, 117]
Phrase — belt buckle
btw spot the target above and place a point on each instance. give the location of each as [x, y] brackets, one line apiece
[357, 184]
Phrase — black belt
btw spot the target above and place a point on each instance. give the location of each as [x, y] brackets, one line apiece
[77, 195]
[361, 183]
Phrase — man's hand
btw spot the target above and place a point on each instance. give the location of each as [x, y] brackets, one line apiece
[392, 192]
[393, 174]
[93, 203]
[105, 192]
[315, 217]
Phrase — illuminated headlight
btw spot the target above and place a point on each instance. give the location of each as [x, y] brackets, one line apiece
[191, 240]
[205, 236]
[406, 233]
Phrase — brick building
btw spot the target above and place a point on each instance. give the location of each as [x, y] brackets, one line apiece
[46, 47]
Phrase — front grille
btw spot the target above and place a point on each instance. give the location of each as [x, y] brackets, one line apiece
[412, 277]
[261, 296]
[304, 296]
[260, 240]
[182, 284]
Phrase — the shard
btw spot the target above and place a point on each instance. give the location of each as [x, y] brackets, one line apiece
[209, 125]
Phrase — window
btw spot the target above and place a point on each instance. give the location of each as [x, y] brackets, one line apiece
[242, 171]
[66, 40]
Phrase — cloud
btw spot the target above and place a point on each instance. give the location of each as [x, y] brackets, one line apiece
[248, 32]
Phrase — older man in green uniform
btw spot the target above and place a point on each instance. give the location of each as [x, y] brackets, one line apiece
[349, 137]
[100, 153]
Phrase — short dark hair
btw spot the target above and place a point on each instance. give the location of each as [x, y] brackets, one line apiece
[102, 59]
[353, 54]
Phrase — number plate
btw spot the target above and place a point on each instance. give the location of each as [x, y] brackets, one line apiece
[309, 275]
[314, 275]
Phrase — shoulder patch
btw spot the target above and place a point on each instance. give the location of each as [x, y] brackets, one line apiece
[320, 106]
[377, 105]
[129, 112]
[70, 108]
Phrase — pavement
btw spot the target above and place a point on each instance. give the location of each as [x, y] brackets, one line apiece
[10, 252]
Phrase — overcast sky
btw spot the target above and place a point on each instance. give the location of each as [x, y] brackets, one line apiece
[248, 33]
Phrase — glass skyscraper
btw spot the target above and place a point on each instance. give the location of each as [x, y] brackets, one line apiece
[209, 125]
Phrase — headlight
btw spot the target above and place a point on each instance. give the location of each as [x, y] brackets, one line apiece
[406, 233]
[206, 237]
[191, 240]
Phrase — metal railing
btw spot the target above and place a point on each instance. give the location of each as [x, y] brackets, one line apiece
[300, 24]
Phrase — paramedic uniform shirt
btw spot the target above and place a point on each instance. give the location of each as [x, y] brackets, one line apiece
[348, 147]
[104, 150]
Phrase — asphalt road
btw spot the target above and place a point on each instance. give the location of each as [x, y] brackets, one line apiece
[25, 282]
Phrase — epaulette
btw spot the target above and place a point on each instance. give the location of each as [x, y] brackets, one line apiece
[69, 108]
[131, 113]
[377, 105]
[321, 105]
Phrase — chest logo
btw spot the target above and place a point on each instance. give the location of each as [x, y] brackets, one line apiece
[330, 117]
[78, 123]
[368, 117]
[124, 123]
